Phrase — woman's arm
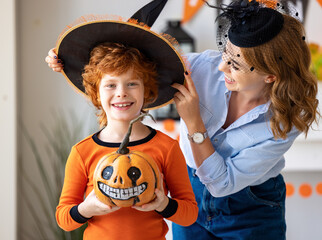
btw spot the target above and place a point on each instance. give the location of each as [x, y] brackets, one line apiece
[187, 103]
[224, 176]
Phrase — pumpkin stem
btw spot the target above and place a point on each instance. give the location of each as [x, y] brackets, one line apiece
[123, 147]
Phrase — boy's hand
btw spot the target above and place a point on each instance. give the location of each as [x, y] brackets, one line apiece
[53, 62]
[94, 207]
[159, 203]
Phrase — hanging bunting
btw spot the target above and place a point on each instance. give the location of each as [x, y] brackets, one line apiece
[320, 1]
[191, 7]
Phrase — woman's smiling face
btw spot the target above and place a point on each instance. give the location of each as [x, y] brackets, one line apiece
[238, 74]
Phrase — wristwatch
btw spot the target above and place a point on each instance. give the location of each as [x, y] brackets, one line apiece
[198, 137]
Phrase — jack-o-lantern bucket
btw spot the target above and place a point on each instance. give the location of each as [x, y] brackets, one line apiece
[125, 178]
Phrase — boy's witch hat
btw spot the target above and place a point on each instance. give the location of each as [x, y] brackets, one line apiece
[76, 42]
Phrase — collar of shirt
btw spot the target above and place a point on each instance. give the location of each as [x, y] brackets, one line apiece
[213, 95]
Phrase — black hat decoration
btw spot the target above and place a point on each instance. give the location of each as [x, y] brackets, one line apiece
[250, 23]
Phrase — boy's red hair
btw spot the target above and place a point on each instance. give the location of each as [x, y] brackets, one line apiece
[115, 58]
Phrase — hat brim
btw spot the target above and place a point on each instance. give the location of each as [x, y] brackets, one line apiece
[75, 45]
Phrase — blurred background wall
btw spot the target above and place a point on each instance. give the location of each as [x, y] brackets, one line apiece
[34, 99]
[8, 113]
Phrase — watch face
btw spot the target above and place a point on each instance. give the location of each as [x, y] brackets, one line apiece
[198, 137]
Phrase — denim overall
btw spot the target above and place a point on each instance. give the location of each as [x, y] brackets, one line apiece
[253, 213]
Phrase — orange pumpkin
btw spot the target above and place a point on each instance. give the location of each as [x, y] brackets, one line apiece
[125, 178]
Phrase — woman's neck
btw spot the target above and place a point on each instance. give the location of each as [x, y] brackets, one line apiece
[240, 104]
[247, 100]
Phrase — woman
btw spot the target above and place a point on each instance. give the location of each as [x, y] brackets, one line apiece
[243, 110]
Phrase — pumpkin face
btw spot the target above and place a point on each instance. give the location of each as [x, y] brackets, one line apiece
[126, 179]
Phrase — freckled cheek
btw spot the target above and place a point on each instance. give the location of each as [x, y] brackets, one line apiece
[142, 100]
[104, 100]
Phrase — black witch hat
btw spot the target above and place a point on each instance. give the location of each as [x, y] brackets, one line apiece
[76, 42]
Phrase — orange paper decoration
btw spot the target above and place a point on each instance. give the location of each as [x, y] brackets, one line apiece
[319, 188]
[169, 125]
[290, 190]
[305, 190]
[320, 2]
[191, 7]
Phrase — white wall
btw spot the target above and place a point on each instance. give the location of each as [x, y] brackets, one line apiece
[8, 121]
[313, 22]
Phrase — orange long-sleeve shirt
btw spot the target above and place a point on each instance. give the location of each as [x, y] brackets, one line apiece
[127, 223]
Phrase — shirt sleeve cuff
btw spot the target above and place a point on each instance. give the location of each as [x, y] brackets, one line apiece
[76, 216]
[170, 209]
[211, 168]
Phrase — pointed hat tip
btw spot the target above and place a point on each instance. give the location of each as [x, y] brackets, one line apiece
[149, 13]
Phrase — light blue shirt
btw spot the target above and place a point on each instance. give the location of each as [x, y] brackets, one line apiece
[246, 152]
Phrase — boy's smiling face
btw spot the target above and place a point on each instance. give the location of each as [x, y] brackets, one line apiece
[121, 96]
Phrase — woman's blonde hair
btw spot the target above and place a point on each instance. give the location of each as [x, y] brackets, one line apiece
[115, 58]
[293, 93]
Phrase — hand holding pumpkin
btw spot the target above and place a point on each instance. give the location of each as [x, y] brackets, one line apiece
[93, 207]
[159, 203]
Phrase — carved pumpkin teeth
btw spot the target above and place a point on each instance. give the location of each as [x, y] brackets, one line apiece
[120, 193]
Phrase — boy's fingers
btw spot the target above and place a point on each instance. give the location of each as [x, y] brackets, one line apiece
[158, 192]
[161, 179]
[91, 193]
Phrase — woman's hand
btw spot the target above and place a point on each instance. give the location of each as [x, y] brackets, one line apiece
[94, 207]
[53, 62]
[159, 203]
[187, 103]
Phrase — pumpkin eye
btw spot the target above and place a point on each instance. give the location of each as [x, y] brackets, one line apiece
[107, 172]
[134, 173]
